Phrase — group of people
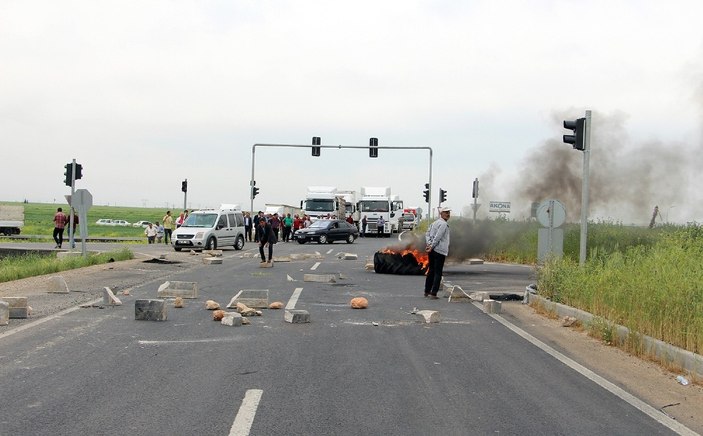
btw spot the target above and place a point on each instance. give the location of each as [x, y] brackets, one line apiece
[267, 229]
[169, 225]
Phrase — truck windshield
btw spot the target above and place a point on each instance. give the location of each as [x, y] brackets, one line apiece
[319, 205]
[374, 206]
[205, 220]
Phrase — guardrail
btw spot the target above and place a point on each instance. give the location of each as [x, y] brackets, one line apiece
[40, 238]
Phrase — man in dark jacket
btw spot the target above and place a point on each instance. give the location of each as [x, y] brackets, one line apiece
[266, 236]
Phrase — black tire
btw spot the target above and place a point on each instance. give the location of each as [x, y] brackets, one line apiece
[211, 243]
[350, 239]
[322, 240]
[301, 241]
[239, 243]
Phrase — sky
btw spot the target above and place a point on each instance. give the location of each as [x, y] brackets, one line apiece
[145, 94]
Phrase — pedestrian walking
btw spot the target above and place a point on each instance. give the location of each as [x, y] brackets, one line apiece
[60, 221]
[247, 226]
[150, 233]
[169, 226]
[364, 222]
[159, 232]
[266, 236]
[437, 248]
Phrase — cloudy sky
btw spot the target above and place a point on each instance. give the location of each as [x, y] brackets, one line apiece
[145, 94]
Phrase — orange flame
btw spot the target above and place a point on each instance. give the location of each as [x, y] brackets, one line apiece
[420, 256]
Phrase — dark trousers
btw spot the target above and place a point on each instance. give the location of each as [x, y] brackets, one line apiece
[434, 272]
[247, 232]
[58, 236]
[287, 233]
[261, 252]
[167, 235]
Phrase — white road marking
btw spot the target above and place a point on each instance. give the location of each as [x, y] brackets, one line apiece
[247, 411]
[294, 299]
[191, 341]
[329, 251]
[600, 381]
[314, 267]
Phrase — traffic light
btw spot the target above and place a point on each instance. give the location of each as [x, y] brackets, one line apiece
[426, 193]
[373, 147]
[474, 192]
[79, 171]
[68, 174]
[315, 150]
[577, 140]
[184, 185]
[442, 195]
[254, 189]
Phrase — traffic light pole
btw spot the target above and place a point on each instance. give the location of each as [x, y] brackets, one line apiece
[584, 191]
[364, 147]
[71, 228]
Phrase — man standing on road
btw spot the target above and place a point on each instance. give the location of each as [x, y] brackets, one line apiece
[380, 224]
[168, 226]
[247, 227]
[266, 235]
[60, 221]
[437, 239]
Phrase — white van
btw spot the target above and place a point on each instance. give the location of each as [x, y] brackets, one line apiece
[211, 228]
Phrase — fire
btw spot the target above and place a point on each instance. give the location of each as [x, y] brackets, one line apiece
[420, 256]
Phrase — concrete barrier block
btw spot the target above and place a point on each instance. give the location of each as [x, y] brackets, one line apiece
[458, 295]
[213, 253]
[347, 256]
[254, 298]
[212, 260]
[150, 310]
[320, 278]
[429, 316]
[57, 285]
[178, 289]
[479, 296]
[475, 261]
[109, 298]
[18, 307]
[491, 306]
[296, 316]
[4, 313]
[232, 319]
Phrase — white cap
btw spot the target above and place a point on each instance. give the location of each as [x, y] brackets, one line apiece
[445, 209]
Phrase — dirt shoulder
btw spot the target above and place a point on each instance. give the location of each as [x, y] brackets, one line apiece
[644, 379]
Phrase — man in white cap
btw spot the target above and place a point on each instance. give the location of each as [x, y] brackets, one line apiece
[437, 239]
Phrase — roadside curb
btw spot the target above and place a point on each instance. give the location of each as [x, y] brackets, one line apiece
[655, 348]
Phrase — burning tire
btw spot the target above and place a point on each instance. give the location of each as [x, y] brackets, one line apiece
[396, 263]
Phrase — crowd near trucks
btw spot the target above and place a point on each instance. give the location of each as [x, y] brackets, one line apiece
[11, 219]
[376, 203]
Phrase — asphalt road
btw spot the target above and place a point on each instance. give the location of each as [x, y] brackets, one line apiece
[378, 371]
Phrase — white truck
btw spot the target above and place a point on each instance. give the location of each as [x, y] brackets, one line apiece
[281, 209]
[377, 202]
[350, 200]
[11, 219]
[320, 201]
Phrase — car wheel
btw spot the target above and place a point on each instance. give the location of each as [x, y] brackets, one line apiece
[211, 243]
[323, 239]
[350, 238]
[301, 241]
[239, 244]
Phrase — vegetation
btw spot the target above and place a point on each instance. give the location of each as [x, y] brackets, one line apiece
[15, 268]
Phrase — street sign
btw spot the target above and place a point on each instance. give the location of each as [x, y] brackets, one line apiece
[499, 206]
[551, 213]
[82, 198]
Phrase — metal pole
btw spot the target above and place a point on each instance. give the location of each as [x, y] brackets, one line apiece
[430, 213]
[251, 182]
[185, 196]
[71, 229]
[584, 190]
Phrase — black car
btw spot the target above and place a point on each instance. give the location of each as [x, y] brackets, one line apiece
[327, 231]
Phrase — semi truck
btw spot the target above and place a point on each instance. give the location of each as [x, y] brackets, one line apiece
[11, 219]
[320, 201]
[377, 202]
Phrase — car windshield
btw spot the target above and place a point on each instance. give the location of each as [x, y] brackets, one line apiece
[374, 206]
[319, 205]
[205, 220]
[320, 224]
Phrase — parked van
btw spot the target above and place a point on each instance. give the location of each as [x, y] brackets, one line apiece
[211, 228]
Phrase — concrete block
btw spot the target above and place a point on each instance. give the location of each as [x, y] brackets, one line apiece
[320, 278]
[475, 261]
[283, 259]
[480, 296]
[296, 316]
[18, 307]
[347, 256]
[4, 313]
[212, 260]
[109, 298]
[57, 285]
[63, 254]
[255, 298]
[178, 289]
[213, 253]
[232, 319]
[429, 316]
[150, 310]
[491, 306]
